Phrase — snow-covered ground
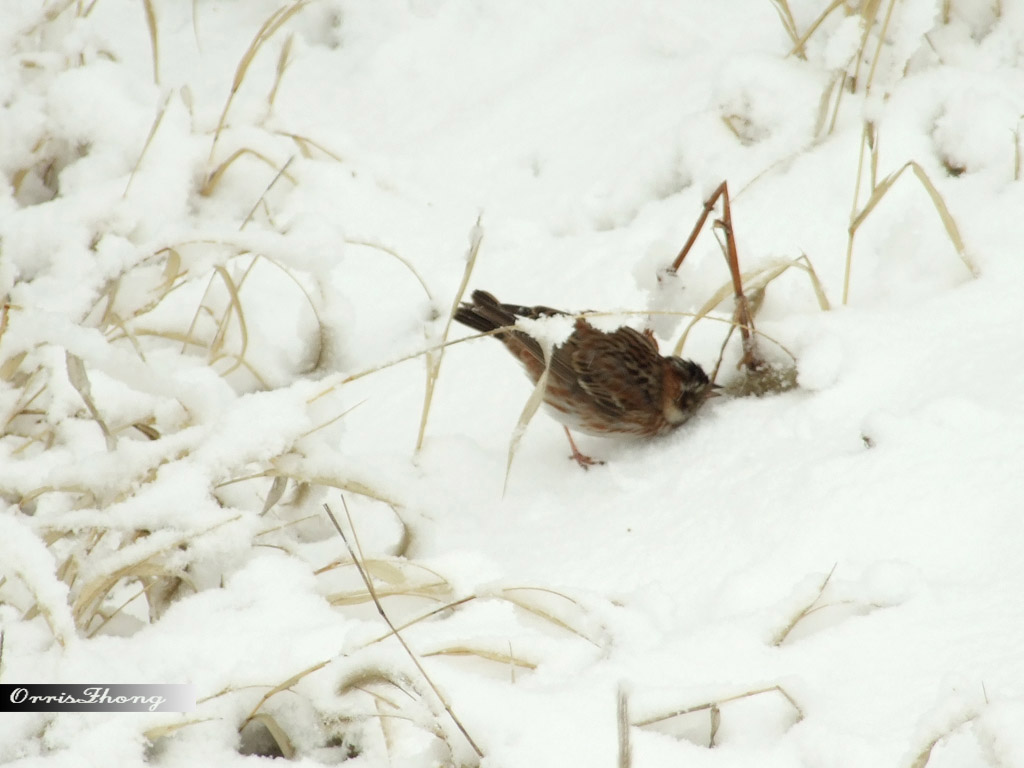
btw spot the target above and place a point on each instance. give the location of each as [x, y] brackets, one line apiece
[216, 246]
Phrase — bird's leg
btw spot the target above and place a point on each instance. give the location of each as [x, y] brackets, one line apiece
[580, 458]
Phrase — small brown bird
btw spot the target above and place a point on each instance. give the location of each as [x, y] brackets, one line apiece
[600, 383]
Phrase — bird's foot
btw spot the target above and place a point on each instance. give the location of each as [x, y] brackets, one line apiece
[580, 458]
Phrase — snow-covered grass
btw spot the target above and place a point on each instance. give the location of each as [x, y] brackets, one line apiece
[232, 237]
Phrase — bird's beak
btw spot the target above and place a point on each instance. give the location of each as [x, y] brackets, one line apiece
[715, 390]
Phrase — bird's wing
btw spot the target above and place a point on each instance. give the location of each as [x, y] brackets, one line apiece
[621, 370]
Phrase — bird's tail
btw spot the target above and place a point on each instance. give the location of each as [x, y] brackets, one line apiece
[485, 313]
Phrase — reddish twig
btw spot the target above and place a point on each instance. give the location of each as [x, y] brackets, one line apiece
[743, 317]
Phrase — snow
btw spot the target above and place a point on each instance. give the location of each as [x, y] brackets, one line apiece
[255, 341]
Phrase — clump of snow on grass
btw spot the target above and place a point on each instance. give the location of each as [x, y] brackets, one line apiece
[26, 558]
[843, 42]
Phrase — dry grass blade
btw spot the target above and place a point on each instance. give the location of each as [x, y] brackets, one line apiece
[351, 486]
[759, 279]
[127, 333]
[404, 261]
[724, 292]
[283, 686]
[716, 722]
[321, 331]
[89, 600]
[547, 615]
[80, 381]
[54, 12]
[398, 572]
[195, 24]
[395, 632]
[377, 683]
[789, 24]
[834, 89]
[88, 497]
[812, 274]
[873, 139]
[153, 734]
[263, 195]
[799, 41]
[243, 363]
[780, 638]
[332, 420]
[529, 409]
[366, 678]
[925, 755]
[5, 310]
[214, 178]
[713, 705]
[234, 305]
[429, 614]
[107, 619]
[865, 131]
[154, 40]
[148, 430]
[622, 720]
[756, 281]
[87, 604]
[164, 591]
[277, 489]
[110, 293]
[282, 65]
[879, 192]
[48, 612]
[1016, 152]
[149, 140]
[505, 659]
[283, 526]
[172, 273]
[883, 34]
[186, 338]
[391, 363]
[952, 230]
[304, 143]
[273, 23]
[10, 367]
[278, 733]
[476, 236]
[437, 591]
[868, 12]
[840, 88]
[390, 571]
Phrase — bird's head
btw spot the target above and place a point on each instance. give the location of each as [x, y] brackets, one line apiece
[686, 389]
